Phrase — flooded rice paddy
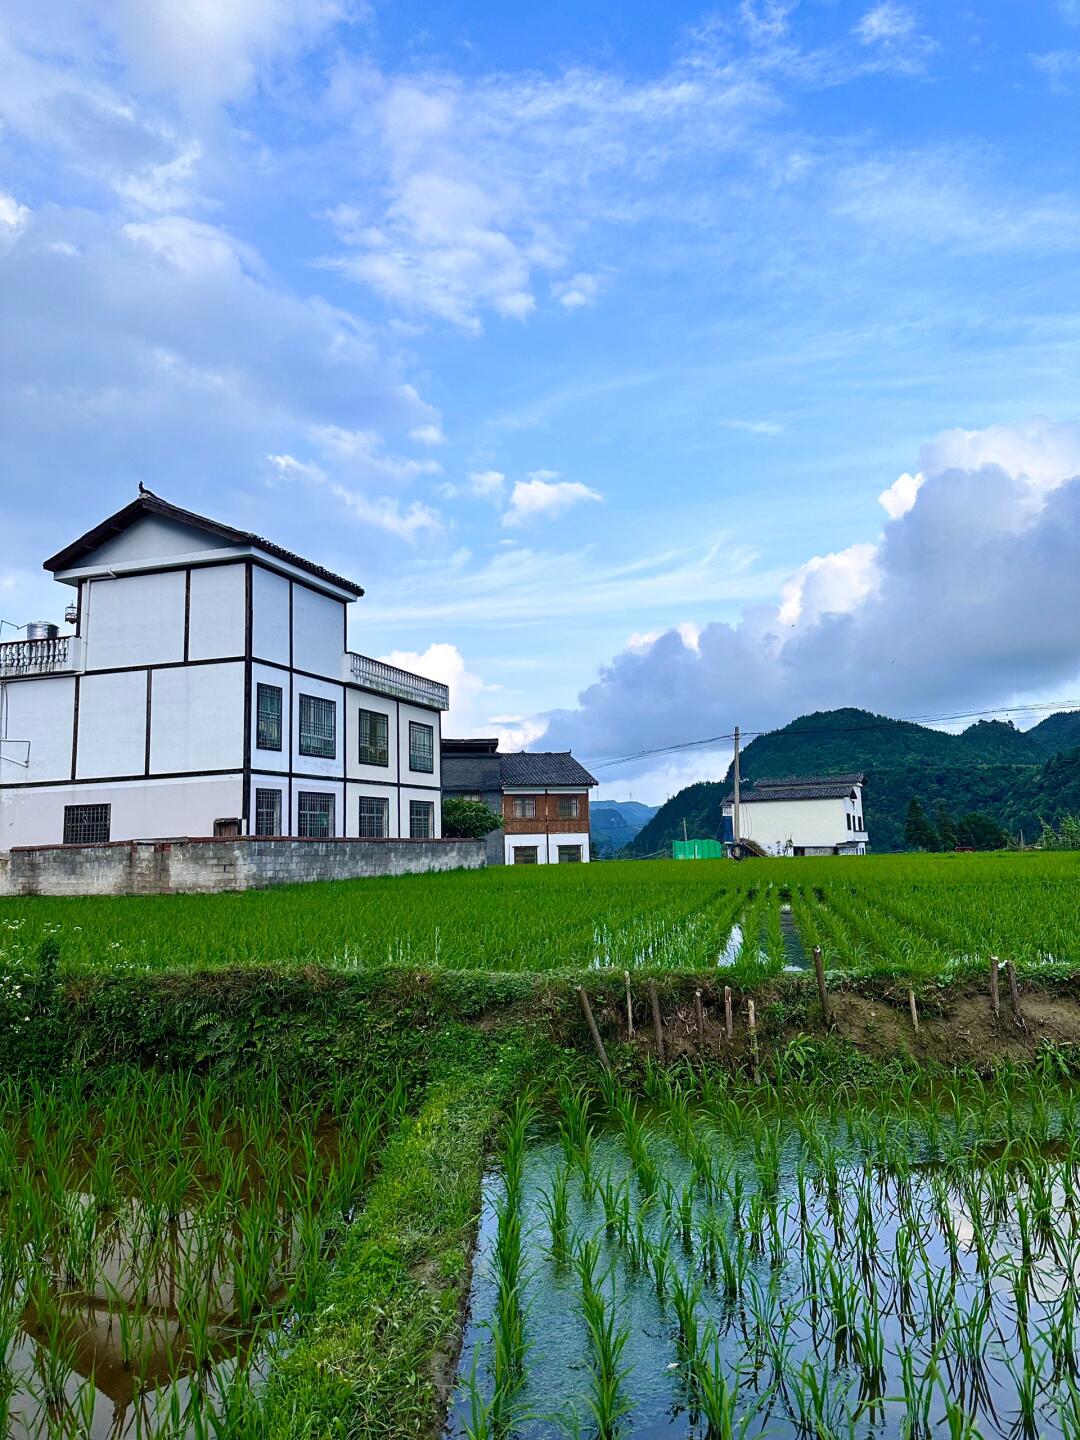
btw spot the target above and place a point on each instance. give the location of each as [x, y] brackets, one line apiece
[700, 1267]
[157, 1242]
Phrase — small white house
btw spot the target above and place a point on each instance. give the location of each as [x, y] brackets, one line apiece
[207, 689]
[811, 815]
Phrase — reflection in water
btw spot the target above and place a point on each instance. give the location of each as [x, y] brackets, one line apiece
[840, 1300]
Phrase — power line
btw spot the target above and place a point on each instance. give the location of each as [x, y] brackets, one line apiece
[883, 724]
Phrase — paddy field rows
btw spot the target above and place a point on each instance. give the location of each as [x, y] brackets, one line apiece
[339, 1160]
[909, 915]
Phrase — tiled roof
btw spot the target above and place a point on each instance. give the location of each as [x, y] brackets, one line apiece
[798, 787]
[150, 504]
[543, 767]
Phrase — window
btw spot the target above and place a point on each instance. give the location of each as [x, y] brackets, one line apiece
[268, 710]
[422, 817]
[569, 807]
[87, 824]
[374, 738]
[315, 815]
[525, 855]
[475, 797]
[524, 807]
[569, 854]
[227, 828]
[421, 747]
[267, 812]
[318, 727]
[847, 817]
[374, 817]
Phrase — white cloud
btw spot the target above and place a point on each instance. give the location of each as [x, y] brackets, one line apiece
[468, 691]
[578, 292]
[898, 499]
[828, 585]
[887, 22]
[754, 427]
[488, 484]
[360, 453]
[967, 600]
[382, 511]
[428, 435]
[542, 496]
[13, 219]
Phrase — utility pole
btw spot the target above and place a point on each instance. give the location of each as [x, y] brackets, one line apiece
[735, 807]
[684, 829]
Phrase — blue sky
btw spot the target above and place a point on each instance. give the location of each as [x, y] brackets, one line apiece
[654, 367]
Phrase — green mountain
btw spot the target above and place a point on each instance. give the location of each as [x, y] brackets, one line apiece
[613, 824]
[1020, 777]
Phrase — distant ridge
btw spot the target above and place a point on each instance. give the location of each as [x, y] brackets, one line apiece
[1018, 776]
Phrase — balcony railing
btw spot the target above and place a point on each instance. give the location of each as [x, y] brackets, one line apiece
[400, 684]
[40, 657]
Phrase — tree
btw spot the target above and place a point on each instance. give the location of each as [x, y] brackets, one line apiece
[981, 832]
[468, 819]
[946, 829]
[919, 834]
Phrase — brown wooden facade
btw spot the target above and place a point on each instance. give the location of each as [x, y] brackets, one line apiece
[547, 820]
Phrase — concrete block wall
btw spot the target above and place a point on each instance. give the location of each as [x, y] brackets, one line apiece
[174, 867]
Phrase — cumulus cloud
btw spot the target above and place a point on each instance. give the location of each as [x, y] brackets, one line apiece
[968, 599]
[544, 496]
[577, 292]
[469, 693]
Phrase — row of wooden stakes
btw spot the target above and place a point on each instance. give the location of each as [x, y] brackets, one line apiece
[751, 1013]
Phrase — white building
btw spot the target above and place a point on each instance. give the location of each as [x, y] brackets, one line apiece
[207, 689]
[815, 815]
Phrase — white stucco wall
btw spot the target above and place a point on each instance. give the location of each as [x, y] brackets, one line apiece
[318, 632]
[270, 760]
[134, 620]
[409, 793]
[386, 791]
[197, 718]
[804, 822]
[152, 537]
[355, 701]
[547, 846]
[142, 809]
[270, 615]
[216, 626]
[315, 764]
[433, 718]
[40, 711]
[112, 724]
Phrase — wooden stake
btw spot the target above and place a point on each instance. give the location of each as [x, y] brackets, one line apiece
[751, 1021]
[657, 1024]
[1014, 992]
[823, 994]
[914, 1010]
[629, 1008]
[729, 1018]
[995, 999]
[593, 1031]
[699, 1015]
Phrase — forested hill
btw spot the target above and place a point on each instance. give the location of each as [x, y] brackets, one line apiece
[1018, 776]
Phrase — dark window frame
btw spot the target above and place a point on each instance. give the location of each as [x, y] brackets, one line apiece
[268, 724]
[384, 813]
[366, 719]
[260, 810]
[305, 817]
[417, 728]
[314, 738]
[573, 807]
[568, 859]
[427, 808]
[531, 850]
[519, 807]
[87, 824]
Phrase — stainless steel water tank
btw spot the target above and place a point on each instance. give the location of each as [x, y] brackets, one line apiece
[42, 630]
